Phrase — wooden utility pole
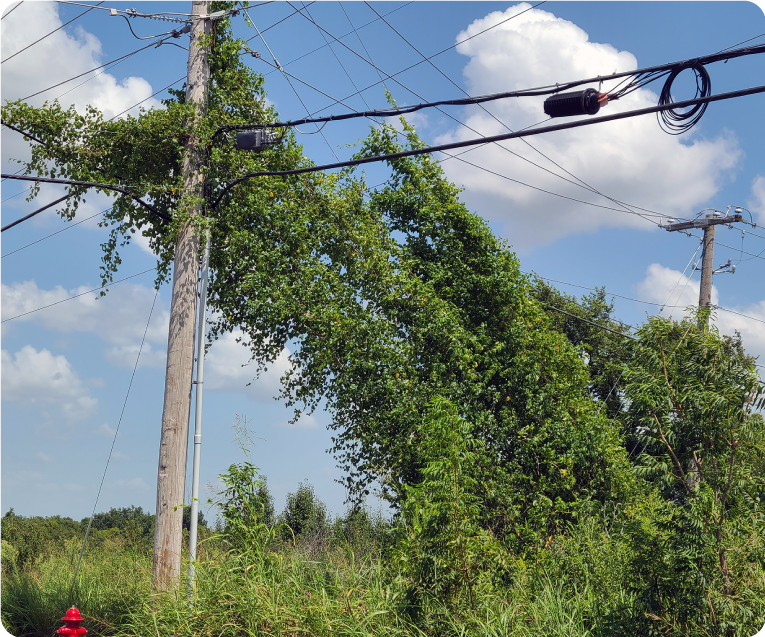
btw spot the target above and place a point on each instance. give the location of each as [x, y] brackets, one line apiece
[171, 473]
[708, 223]
[705, 291]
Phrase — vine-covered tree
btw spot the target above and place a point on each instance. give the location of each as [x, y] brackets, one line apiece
[387, 298]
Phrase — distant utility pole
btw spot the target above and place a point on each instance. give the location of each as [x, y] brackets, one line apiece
[708, 223]
[173, 446]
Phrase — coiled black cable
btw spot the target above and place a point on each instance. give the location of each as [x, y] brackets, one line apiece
[675, 122]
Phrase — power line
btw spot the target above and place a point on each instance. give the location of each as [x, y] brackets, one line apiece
[36, 212]
[161, 15]
[496, 119]
[754, 256]
[12, 10]
[458, 121]
[342, 66]
[183, 77]
[456, 44]
[51, 33]
[132, 276]
[23, 99]
[629, 298]
[603, 327]
[550, 89]
[682, 274]
[125, 190]
[286, 77]
[555, 194]
[54, 233]
[16, 195]
[485, 140]
[296, 11]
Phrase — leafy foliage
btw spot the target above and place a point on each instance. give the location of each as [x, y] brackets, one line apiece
[444, 551]
[27, 538]
[693, 396]
[604, 352]
[304, 514]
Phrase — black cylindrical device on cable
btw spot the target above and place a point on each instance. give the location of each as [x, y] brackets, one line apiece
[586, 102]
[254, 139]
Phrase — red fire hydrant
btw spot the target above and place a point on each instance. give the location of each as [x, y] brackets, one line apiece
[72, 619]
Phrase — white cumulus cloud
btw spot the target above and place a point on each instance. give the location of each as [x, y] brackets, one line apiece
[60, 56]
[757, 202]
[632, 160]
[38, 377]
[119, 318]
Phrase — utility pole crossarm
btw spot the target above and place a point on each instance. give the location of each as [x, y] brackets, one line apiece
[701, 223]
[708, 224]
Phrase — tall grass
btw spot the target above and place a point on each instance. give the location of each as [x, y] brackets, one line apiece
[579, 587]
[110, 584]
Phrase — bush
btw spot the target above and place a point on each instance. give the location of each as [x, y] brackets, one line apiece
[31, 537]
[131, 522]
[305, 517]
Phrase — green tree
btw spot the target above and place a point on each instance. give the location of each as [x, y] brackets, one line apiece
[386, 299]
[693, 396]
[604, 351]
[444, 552]
[304, 515]
[131, 521]
[449, 313]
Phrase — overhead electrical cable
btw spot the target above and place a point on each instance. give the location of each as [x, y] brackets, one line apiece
[296, 11]
[132, 276]
[36, 212]
[395, 112]
[279, 22]
[682, 274]
[77, 223]
[125, 190]
[629, 298]
[361, 42]
[548, 89]
[185, 29]
[649, 213]
[23, 99]
[456, 44]
[742, 42]
[162, 15]
[183, 77]
[48, 34]
[16, 195]
[342, 66]
[556, 194]
[724, 245]
[286, 77]
[581, 318]
[285, 72]
[18, 130]
[503, 124]
[12, 10]
[484, 140]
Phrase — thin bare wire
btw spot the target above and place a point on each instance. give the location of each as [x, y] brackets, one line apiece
[45, 36]
[111, 450]
[680, 278]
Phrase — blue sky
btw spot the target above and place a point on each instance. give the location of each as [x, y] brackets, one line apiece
[66, 370]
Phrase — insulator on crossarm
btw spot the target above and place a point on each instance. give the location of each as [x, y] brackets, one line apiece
[586, 102]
